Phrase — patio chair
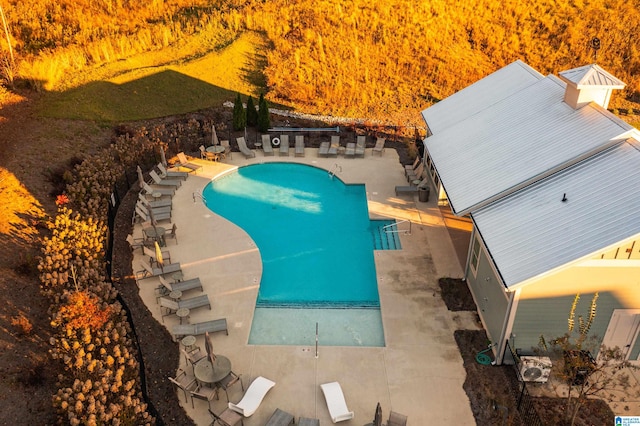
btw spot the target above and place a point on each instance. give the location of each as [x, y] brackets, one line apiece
[336, 403]
[143, 214]
[148, 190]
[253, 396]
[181, 330]
[284, 145]
[184, 381]
[157, 180]
[323, 150]
[416, 174]
[335, 144]
[191, 284]
[206, 155]
[204, 393]
[280, 418]
[155, 203]
[172, 234]
[227, 148]
[379, 148]
[192, 357]
[397, 419]
[412, 189]
[135, 243]
[166, 256]
[170, 307]
[184, 163]
[230, 380]
[227, 418]
[350, 150]
[172, 174]
[361, 143]
[299, 146]
[154, 210]
[411, 168]
[148, 271]
[242, 145]
[266, 145]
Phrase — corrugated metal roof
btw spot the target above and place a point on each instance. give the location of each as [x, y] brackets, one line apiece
[533, 231]
[478, 96]
[591, 76]
[515, 141]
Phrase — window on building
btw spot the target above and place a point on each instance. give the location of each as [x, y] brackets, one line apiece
[475, 255]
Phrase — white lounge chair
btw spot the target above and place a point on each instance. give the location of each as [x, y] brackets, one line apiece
[335, 402]
[184, 163]
[416, 174]
[299, 146]
[361, 142]
[379, 148]
[253, 396]
[284, 145]
[266, 145]
[242, 145]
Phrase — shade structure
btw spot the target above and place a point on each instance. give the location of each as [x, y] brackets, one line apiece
[140, 177]
[163, 157]
[214, 136]
[209, 347]
[159, 259]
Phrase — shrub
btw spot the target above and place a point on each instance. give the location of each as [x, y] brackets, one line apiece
[239, 115]
[252, 113]
[264, 120]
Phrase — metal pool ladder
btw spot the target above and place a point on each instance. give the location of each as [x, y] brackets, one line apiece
[335, 169]
[387, 228]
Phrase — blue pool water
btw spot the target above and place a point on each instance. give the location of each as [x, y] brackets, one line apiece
[315, 240]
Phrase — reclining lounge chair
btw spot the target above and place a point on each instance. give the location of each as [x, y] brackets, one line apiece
[335, 402]
[197, 329]
[253, 396]
[299, 146]
[266, 145]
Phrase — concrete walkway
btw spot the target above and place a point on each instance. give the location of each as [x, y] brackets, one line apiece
[419, 373]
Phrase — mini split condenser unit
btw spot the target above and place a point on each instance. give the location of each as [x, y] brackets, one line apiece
[535, 368]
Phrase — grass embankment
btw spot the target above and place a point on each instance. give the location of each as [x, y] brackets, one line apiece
[161, 83]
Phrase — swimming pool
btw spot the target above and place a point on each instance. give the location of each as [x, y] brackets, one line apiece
[314, 236]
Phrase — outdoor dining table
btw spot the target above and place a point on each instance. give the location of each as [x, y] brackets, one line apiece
[156, 233]
[216, 149]
[208, 373]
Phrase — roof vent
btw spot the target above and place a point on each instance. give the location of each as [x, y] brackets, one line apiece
[587, 84]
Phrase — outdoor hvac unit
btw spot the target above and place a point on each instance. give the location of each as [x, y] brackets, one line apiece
[535, 368]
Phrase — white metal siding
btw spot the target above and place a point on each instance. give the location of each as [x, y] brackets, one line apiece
[533, 231]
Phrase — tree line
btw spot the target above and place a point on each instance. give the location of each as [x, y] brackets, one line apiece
[383, 60]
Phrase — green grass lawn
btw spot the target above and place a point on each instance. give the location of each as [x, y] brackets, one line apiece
[145, 90]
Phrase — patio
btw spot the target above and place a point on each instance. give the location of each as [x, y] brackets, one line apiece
[419, 373]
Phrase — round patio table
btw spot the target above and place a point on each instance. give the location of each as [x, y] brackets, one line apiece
[207, 373]
[216, 149]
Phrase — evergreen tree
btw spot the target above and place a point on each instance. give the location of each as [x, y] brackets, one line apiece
[252, 113]
[239, 115]
[264, 121]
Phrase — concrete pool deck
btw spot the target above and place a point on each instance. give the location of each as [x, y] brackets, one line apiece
[419, 373]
